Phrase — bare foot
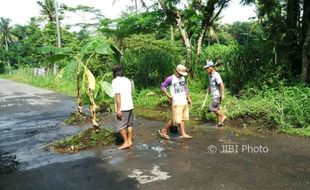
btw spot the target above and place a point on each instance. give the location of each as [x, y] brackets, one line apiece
[219, 125]
[222, 122]
[163, 134]
[186, 136]
[124, 146]
[130, 143]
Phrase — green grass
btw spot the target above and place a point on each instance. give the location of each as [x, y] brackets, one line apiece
[287, 108]
[65, 86]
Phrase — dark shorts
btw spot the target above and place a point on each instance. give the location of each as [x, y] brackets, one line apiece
[215, 104]
[125, 121]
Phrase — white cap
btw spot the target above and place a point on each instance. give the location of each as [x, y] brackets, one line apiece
[209, 64]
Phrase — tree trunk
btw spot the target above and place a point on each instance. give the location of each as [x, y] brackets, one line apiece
[172, 33]
[305, 75]
[200, 39]
[58, 34]
[7, 49]
[136, 6]
[181, 26]
[79, 102]
[294, 48]
[185, 37]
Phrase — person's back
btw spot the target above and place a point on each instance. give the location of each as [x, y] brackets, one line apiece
[124, 117]
[123, 87]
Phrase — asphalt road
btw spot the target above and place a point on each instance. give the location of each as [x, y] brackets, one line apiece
[31, 118]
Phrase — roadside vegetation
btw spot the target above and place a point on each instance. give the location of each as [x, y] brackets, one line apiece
[86, 139]
[264, 63]
[283, 109]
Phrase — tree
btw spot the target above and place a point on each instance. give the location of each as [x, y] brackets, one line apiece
[6, 36]
[86, 82]
[50, 10]
[86, 13]
[286, 23]
[194, 20]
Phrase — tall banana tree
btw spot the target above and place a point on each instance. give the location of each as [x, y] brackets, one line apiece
[85, 81]
[6, 36]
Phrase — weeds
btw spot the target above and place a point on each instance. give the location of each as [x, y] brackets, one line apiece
[86, 139]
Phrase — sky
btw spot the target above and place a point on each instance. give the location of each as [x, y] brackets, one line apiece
[20, 11]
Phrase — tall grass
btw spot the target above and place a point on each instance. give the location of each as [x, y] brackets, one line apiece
[286, 107]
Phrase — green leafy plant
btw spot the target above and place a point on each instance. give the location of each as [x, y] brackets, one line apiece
[85, 81]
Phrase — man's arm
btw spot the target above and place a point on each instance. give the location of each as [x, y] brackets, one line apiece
[222, 91]
[164, 86]
[189, 101]
[118, 105]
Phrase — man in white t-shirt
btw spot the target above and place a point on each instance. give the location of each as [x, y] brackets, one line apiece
[217, 91]
[122, 89]
[180, 100]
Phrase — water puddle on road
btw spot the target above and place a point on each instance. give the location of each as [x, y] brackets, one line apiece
[157, 148]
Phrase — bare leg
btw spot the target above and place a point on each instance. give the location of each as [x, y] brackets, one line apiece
[126, 143]
[163, 131]
[183, 134]
[182, 127]
[217, 117]
[167, 127]
[129, 132]
[221, 117]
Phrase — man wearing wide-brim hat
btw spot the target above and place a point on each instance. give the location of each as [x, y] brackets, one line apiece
[180, 99]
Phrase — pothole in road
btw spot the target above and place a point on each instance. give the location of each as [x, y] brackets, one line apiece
[8, 164]
[5, 130]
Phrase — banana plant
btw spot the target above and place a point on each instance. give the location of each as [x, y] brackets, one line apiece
[85, 81]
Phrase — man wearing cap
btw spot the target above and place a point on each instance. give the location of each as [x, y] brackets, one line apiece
[216, 89]
[180, 100]
[122, 88]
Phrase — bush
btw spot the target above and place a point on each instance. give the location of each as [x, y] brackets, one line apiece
[2, 67]
[149, 61]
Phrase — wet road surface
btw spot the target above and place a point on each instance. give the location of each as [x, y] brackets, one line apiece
[30, 118]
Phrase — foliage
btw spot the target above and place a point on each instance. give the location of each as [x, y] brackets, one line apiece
[86, 139]
[284, 107]
[143, 23]
[149, 61]
[6, 35]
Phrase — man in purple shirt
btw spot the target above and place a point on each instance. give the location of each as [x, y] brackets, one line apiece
[180, 100]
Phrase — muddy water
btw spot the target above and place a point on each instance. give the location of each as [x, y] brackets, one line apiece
[214, 159]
